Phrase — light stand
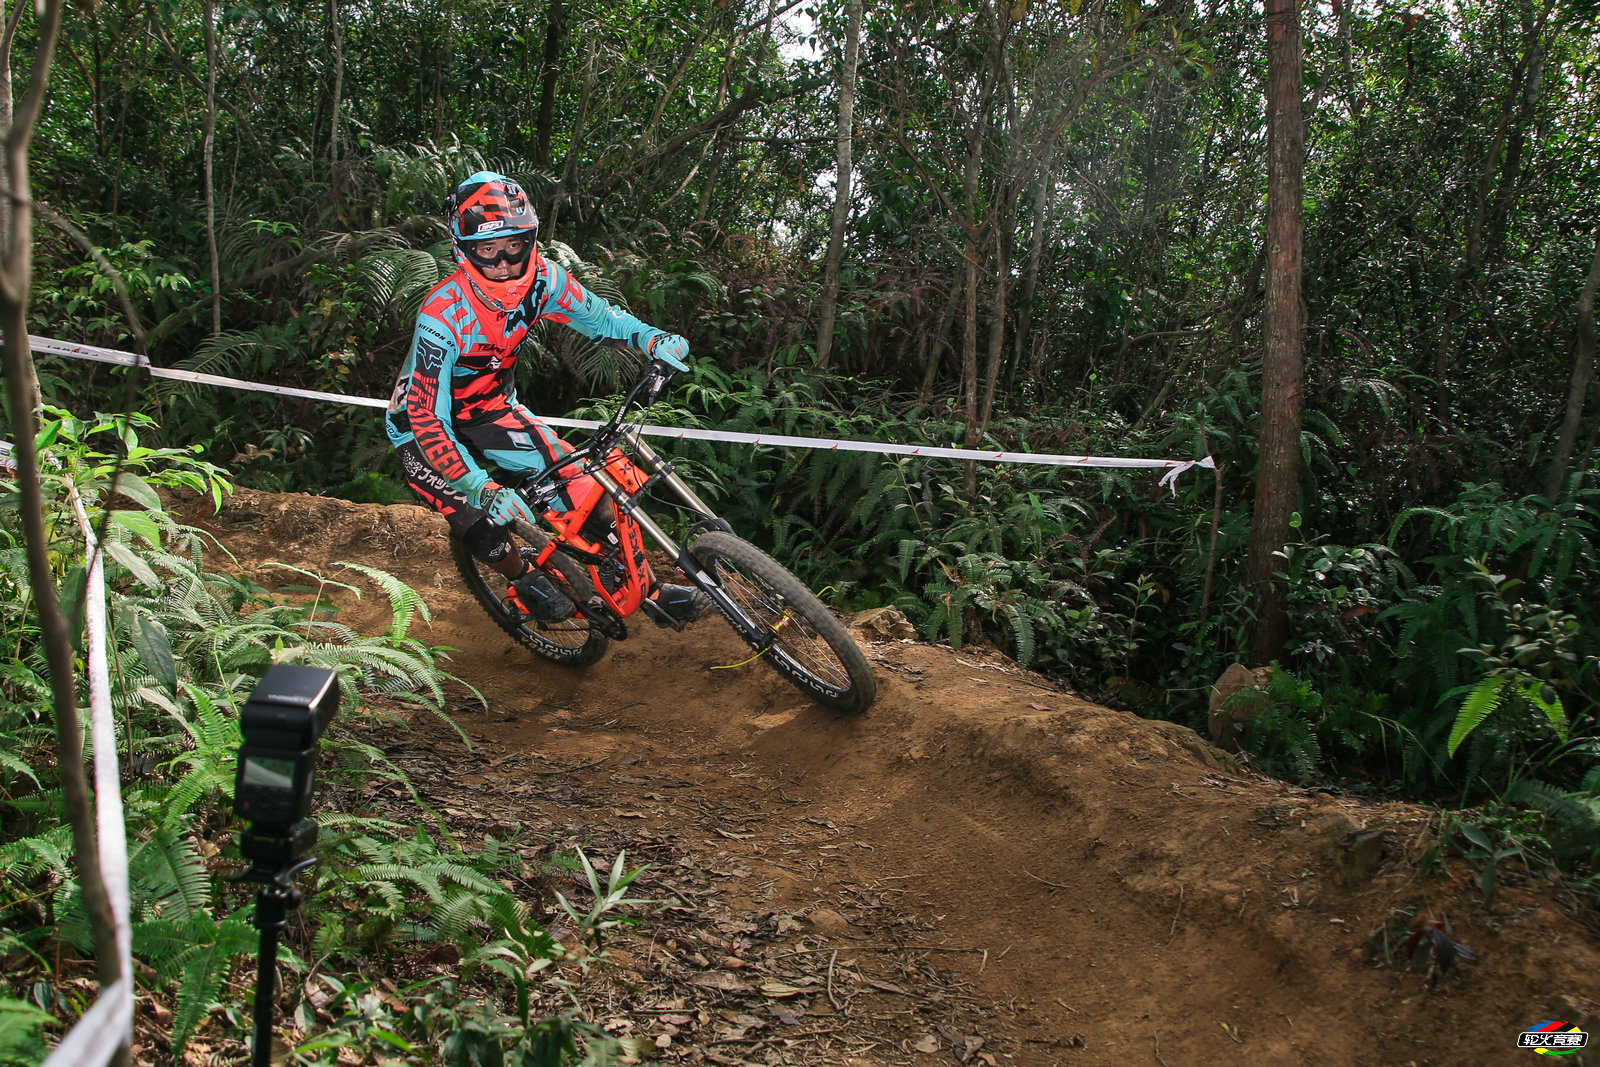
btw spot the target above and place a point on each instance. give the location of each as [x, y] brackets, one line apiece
[281, 725]
[276, 898]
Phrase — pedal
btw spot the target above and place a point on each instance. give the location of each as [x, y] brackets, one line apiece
[659, 615]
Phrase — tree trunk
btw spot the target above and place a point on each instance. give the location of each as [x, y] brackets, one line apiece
[977, 125]
[1508, 133]
[1511, 169]
[22, 391]
[941, 342]
[1582, 375]
[1282, 370]
[549, 78]
[569, 171]
[1030, 275]
[8, 35]
[210, 15]
[997, 316]
[969, 357]
[336, 40]
[441, 64]
[719, 149]
[841, 186]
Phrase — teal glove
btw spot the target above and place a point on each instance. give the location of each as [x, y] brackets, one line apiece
[505, 505]
[670, 349]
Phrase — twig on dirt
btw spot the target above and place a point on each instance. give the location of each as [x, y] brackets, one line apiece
[985, 962]
[1287, 1020]
[566, 770]
[1156, 1037]
[1036, 878]
[831, 961]
[873, 948]
[1069, 1007]
[775, 1037]
[1179, 911]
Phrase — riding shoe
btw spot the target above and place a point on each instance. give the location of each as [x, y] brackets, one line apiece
[535, 595]
[683, 603]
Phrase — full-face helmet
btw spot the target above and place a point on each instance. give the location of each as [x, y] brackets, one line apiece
[483, 208]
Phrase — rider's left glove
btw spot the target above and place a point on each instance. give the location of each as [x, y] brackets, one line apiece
[505, 505]
[670, 349]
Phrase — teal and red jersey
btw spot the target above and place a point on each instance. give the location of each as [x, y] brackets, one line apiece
[460, 370]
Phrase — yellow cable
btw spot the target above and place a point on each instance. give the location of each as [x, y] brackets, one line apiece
[741, 663]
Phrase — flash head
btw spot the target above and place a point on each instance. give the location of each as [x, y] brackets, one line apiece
[290, 707]
[282, 722]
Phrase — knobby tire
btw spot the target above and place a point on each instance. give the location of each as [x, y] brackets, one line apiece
[572, 643]
[809, 646]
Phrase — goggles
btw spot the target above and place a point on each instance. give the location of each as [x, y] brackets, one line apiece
[515, 253]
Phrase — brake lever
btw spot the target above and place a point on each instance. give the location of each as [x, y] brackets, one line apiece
[540, 496]
[660, 375]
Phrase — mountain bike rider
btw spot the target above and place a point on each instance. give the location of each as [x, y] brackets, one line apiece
[454, 419]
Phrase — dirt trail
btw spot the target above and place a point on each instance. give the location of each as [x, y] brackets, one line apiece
[981, 869]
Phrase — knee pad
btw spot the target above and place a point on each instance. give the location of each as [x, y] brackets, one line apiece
[487, 541]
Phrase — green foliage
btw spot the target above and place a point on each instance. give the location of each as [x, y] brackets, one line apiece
[21, 1043]
[195, 954]
[610, 898]
[1282, 737]
[1491, 838]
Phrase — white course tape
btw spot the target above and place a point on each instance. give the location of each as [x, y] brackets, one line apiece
[99, 1032]
[110, 826]
[1173, 467]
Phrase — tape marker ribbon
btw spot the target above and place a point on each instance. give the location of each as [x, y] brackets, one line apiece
[1173, 467]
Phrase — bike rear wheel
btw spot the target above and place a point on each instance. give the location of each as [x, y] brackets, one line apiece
[573, 642]
[772, 610]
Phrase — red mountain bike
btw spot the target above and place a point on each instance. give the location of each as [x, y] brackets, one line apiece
[768, 607]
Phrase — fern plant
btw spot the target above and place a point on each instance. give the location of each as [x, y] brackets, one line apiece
[187, 643]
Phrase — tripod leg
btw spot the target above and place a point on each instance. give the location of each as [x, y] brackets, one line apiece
[270, 918]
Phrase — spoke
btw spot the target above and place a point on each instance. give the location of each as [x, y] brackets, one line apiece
[791, 635]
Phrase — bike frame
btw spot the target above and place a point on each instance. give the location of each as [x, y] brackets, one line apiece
[626, 475]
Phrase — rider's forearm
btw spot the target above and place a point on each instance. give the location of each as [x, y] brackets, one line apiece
[595, 318]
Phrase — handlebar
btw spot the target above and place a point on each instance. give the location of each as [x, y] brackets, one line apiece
[655, 378]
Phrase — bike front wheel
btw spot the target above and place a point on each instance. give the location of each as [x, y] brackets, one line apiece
[573, 642]
[782, 619]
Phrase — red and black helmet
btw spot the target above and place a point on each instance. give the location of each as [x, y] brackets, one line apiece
[486, 206]
[490, 205]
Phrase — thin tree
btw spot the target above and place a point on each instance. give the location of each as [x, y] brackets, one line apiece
[1282, 365]
[22, 392]
[1582, 376]
[549, 76]
[336, 44]
[210, 139]
[841, 188]
[8, 35]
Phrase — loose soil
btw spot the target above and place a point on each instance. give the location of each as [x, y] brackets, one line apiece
[981, 869]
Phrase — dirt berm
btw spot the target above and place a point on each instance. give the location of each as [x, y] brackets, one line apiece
[981, 869]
